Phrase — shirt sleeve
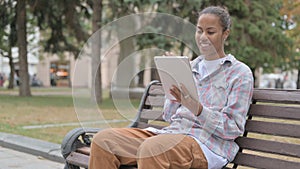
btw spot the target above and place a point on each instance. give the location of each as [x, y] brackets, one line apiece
[170, 108]
[229, 123]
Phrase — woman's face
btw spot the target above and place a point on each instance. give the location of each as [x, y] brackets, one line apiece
[210, 36]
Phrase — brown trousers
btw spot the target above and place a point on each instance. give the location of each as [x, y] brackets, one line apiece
[128, 146]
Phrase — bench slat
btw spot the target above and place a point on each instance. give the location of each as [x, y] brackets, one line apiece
[264, 162]
[283, 112]
[272, 128]
[288, 149]
[155, 101]
[78, 159]
[156, 90]
[84, 150]
[152, 115]
[276, 96]
[82, 160]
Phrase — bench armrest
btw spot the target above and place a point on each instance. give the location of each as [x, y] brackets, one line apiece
[76, 138]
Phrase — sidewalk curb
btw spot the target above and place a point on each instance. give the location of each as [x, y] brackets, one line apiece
[47, 150]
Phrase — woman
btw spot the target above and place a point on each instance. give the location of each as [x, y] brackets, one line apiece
[201, 132]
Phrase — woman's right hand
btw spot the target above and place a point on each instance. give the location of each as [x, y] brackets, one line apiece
[182, 96]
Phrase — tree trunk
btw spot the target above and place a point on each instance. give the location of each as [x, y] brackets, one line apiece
[154, 72]
[298, 79]
[96, 52]
[24, 89]
[256, 76]
[182, 46]
[12, 70]
[126, 64]
[141, 78]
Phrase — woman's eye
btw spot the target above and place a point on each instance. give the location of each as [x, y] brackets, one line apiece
[199, 31]
[210, 33]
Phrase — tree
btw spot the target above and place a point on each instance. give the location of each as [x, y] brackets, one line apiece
[24, 89]
[68, 28]
[290, 13]
[96, 51]
[186, 9]
[63, 27]
[257, 37]
[183, 9]
[119, 9]
[262, 28]
[8, 35]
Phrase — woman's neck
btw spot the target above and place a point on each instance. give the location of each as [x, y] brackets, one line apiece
[215, 57]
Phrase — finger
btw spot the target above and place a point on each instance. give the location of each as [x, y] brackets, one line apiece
[167, 53]
[176, 89]
[176, 97]
[184, 90]
[180, 93]
[175, 92]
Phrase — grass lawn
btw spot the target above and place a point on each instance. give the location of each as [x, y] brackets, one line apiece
[50, 107]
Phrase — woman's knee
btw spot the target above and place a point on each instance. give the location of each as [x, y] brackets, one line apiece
[152, 147]
[105, 138]
[103, 134]
[162, 144]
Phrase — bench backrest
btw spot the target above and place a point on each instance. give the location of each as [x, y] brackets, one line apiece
[272, 131]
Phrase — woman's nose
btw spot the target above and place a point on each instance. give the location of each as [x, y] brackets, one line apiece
[202, 37]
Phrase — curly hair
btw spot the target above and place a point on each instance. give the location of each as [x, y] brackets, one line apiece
[221, 12]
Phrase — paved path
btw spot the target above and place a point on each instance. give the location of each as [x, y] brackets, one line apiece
[20, 152]
[11, 159]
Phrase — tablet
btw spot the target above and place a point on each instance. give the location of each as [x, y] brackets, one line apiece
[174, 70]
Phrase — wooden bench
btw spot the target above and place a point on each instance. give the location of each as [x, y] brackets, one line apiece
[271, 138]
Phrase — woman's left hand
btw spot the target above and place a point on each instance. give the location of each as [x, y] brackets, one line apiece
[182, 96]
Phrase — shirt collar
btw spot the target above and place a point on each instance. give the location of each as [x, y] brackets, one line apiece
[228, 58]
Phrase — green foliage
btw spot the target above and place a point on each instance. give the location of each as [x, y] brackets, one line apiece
[291, 12]
[8, 33]
[153, 39]
[257, 37]
[63, 24]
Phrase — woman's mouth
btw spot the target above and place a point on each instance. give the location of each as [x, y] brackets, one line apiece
[204, 44]
[206, 48]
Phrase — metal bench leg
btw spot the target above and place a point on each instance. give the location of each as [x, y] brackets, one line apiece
[69, 166]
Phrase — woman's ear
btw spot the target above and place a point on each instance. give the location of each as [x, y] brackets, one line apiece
[226, 34]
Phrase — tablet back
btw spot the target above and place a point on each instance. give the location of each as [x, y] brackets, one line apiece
[174, 70]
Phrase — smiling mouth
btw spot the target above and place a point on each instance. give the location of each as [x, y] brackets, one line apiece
[204, 44]
[206, 48]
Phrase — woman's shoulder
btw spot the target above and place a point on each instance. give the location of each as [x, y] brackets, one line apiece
[239, 65]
